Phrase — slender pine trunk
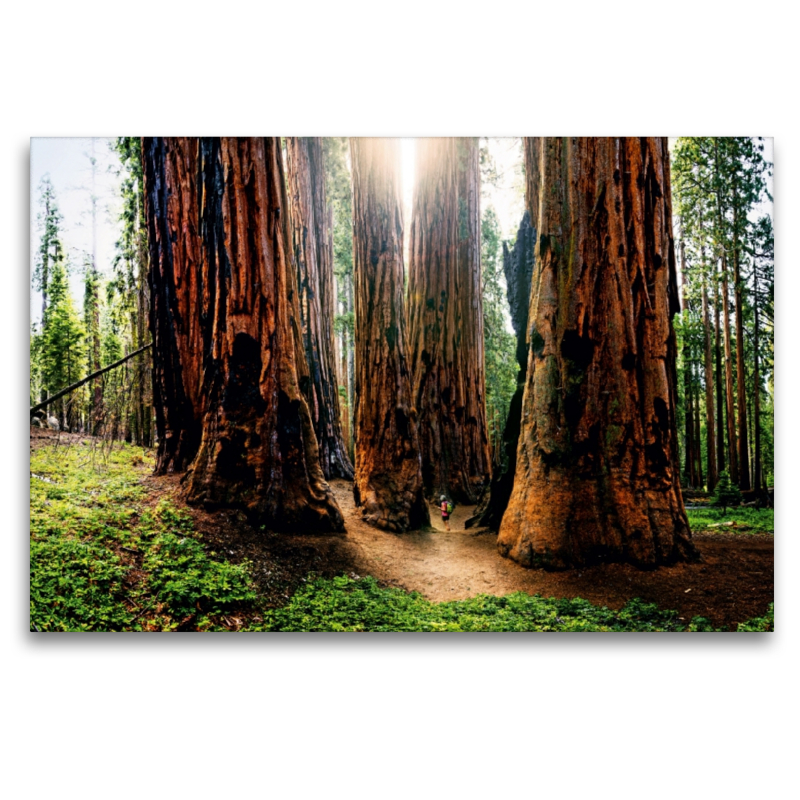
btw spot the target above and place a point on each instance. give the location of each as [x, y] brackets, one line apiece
[733, 461]
[711, 450]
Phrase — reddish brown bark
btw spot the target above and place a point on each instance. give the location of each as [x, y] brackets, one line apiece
[718, 377]
[597, 469]
[730, 413]
[312, 242]
[170, 177]
[698, 452]
[446, 319]
[388, 484]
[744, 461]
[257, 451]
[711, 450]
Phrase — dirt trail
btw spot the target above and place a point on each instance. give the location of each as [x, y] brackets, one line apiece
[732, 582]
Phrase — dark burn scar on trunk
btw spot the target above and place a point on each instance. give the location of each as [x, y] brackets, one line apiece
[242, 391]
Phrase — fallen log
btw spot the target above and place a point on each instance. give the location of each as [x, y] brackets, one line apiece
[73, 386]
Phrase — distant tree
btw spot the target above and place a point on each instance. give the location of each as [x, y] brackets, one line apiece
[63, 358]
[499, 343]
[340, 203]
[130, 268]
[727, 493]
[50, 249]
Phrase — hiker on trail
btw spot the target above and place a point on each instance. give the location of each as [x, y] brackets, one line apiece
[447, 510]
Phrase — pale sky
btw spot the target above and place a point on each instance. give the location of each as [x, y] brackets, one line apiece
[67, 162]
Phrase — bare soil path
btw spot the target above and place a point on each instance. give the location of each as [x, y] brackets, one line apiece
[732, 582]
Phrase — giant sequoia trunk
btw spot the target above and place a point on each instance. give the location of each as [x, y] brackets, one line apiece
[518, 270]
[388, 484]
[313, 251]
[597, 469]
[257, 450]
[446, 319]
[171, 211]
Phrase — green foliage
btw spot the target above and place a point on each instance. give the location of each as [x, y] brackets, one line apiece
[726, 494]
[62, 339]
[746, 520]
[48, 221]
[100, 561]
[339, 194]
[759, 624]
[718, 183]
[348, 604]
[499, 344]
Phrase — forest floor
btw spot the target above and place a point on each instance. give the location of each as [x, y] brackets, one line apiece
[732, 582]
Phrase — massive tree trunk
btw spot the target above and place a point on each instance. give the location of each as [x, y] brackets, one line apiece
[518, 269]
[388, 484]
[733, 461]
[744, 461]
[711, 450]
[446, 319]
[227, 290]
[313, 252]
[597, 469]
[171, 211]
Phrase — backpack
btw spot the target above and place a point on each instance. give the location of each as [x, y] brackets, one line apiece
[449, 507]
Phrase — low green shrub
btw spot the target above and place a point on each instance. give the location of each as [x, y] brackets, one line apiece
[348, 604]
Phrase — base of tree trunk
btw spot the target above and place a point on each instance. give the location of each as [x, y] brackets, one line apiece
[592, 522]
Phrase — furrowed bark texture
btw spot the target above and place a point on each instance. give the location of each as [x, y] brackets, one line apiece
[597, 469]
[446, 319]
[388, 484]
[312, 242]
[257, 451]
[518, 270]
[170, 178]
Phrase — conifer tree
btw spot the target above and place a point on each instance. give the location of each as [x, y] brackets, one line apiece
[62, 344]
[50, 250]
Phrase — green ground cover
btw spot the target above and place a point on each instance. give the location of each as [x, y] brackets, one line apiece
[746, 520]
[103, 559]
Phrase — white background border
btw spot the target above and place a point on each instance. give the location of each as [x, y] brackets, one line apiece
[395, 715]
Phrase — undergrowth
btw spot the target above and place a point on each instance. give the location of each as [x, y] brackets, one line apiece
[348, 604]
[103, 560]
[746, 520]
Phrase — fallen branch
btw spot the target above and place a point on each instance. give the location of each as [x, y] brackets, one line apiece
[72, 387]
